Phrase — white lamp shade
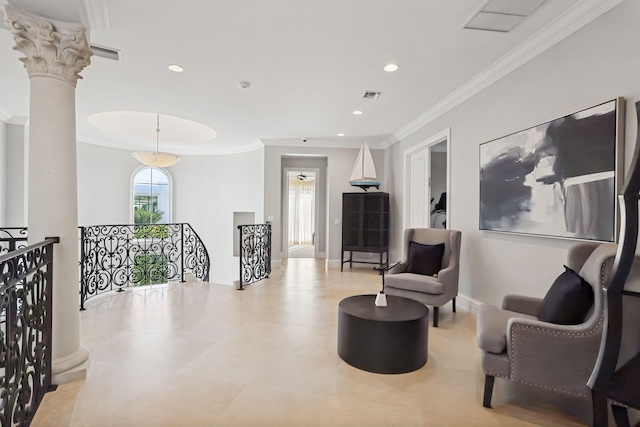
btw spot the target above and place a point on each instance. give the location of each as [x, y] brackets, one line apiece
[156, 158]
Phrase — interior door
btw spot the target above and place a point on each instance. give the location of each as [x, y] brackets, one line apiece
[419, 189]
[427, 164]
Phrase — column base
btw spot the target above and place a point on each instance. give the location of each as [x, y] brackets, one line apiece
[72, 367]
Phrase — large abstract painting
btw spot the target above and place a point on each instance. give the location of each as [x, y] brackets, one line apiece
[556, 179]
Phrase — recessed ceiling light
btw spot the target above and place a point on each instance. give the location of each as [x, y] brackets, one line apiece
[390, 68]
[341, 134]
[176, 68]
[357, 112]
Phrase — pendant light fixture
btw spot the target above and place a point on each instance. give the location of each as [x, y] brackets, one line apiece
[156, 158]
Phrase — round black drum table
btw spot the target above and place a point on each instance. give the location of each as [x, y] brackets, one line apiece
[385, 340]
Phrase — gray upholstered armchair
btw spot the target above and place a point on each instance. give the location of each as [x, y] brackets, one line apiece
[517, 346]
[428, 289]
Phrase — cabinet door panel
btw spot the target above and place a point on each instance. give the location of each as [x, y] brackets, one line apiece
[365, 221]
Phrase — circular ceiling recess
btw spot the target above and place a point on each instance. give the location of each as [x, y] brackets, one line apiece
[142, 126]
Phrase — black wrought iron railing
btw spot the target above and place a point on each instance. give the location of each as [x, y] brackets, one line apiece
[113, 257]
[255, 253]
[26, 276]
[12, 238]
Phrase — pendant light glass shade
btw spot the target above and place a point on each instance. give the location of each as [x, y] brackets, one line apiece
[156, 158]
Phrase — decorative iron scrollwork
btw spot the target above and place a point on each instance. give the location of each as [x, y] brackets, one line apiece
[255, 253]
[113, 257]
[25, 331]
[12, 238]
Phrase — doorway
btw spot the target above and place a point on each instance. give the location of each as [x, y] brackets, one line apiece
[302, 201]
[427, 183]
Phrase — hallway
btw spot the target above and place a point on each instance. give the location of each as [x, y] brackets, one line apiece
[200, 354]
[301, 251]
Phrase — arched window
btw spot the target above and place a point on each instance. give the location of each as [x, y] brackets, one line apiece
[151, 192]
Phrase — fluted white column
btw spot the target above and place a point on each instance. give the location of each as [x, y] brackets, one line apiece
[55, 52]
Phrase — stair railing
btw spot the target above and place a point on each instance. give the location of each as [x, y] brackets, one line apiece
[12, 238]
[255, 253]
[26, 289]
[114, 257]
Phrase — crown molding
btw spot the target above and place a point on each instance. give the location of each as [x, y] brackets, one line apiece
[4, 115]
[132, 145]
[18, 120]
[340, 142]
[95, 14]
[566, 24]
[388, 143]
[12, 119]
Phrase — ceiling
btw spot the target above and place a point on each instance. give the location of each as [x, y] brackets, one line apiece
[308, 63]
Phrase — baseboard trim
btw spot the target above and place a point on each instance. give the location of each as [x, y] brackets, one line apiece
[333, 263]
[468, 304]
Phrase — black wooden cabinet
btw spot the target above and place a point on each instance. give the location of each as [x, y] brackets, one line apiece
[365, 225]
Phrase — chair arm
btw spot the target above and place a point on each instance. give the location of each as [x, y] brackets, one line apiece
[558, 357]
[522, 304]
[448, 275]
[400, 268]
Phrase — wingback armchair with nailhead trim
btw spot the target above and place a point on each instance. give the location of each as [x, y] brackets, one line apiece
[517, 346]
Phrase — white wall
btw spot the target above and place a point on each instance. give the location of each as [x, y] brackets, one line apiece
[3, 174]
[206, 192]
[595, 64]
[14, 201]
[340, 163]
[104, 184]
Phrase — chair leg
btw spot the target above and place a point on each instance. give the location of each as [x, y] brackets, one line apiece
[435, 317]
[620, 415]
[488, 390]
[599, 408]
[454, 305]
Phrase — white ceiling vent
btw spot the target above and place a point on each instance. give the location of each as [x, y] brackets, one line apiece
[105, 52]
[502, 15]
[371, 94]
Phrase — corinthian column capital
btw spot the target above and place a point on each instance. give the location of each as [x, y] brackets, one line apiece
[52, 48]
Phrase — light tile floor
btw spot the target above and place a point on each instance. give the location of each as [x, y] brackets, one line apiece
[301, 251]
[200, 354]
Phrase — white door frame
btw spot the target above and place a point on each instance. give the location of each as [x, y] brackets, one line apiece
[442, 136]
[285, 208]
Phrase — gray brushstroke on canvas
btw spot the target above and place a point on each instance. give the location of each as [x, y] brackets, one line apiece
[588, 209]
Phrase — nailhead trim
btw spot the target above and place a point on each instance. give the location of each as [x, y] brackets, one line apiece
[495, 375]
[603, 270]
[572, 393]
